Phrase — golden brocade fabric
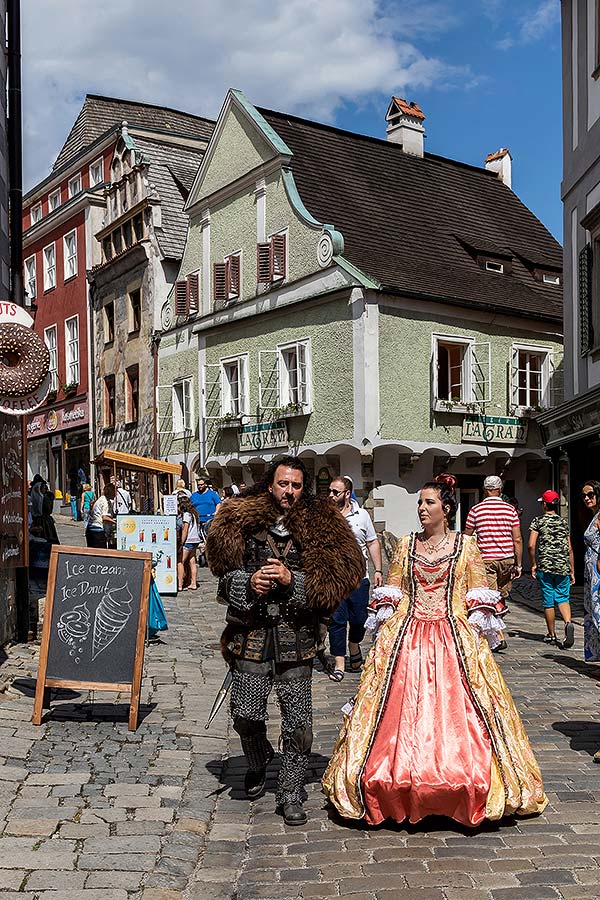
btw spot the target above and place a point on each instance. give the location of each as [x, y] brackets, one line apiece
[434, 729]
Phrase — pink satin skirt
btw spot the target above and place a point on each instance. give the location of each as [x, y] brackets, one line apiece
[431, 753]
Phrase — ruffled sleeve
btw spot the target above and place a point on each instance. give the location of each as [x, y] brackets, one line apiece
[484, 606]
[384, 602]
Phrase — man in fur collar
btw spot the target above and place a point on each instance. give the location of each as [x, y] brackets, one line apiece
[286, 560]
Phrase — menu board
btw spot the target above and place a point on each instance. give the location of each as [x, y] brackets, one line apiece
[156, 535]
[13, 496]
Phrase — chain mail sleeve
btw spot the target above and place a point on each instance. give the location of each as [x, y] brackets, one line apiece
[296, 592]
[235, 590]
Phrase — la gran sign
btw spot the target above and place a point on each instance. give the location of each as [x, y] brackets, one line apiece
[494, 430]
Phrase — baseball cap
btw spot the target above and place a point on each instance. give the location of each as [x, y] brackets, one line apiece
[492, 483]
[549, 497]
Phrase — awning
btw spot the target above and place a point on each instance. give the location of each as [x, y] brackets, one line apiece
[134, 463]
[574, 420]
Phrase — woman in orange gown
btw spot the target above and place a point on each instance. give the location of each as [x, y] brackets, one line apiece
[434, 729]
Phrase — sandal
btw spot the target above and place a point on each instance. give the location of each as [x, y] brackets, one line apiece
[337, 675]
[356, 661]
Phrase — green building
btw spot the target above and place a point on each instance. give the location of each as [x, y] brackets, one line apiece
[382, 312]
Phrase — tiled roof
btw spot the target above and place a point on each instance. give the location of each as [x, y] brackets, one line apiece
[99, 114]
[409, 109]
[401, 216]
[168, 167]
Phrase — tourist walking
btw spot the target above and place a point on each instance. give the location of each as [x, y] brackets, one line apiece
[433, 729]
[554, 570]
[497, 528]
[123, 504]
[590, 495]
[101, 521]
[286, 560]
[190, 541]
[87, 501]
[348, 621]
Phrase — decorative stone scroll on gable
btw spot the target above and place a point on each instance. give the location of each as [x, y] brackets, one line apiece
[331, 243]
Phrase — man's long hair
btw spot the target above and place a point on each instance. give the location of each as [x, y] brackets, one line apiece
[292, 462]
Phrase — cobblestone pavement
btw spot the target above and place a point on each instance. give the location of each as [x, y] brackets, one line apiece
[89, 811]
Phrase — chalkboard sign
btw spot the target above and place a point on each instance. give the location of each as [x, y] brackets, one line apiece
[94, 623]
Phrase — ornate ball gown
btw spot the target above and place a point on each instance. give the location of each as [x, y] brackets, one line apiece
[434, 729]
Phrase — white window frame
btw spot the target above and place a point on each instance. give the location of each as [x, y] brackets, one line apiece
[31, 275]
[72, 357]
[440, 404]
[54, 200]
[74, 186]
[183, 418]
[547, 352]
[549, 278]
[52, 345]
[69, 259]
[497, 268]
[49, 270]
[97, 163]
[36, 213]
[302, 348]
[243, 399]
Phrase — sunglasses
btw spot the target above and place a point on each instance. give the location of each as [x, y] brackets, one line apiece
[588, 495]
[336, 493]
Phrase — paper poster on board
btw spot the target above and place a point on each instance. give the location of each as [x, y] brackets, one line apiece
[156, 535]
[170, 504]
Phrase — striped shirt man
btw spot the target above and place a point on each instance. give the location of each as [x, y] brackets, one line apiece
[493, 521]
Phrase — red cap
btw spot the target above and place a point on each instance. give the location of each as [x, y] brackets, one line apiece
[549, 497]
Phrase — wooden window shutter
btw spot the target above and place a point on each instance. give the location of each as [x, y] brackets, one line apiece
[194, 292]
[181, 298]
[234, 276]
[263, 263]
[220, 281]
[585, 298]
[278, 242]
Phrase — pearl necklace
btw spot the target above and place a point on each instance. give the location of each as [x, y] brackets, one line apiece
[434, 548]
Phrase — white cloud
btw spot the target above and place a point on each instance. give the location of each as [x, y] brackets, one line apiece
[533, 25]
[304, 56]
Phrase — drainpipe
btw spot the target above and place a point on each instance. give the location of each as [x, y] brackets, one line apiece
[155, 338]
[27, 616]
[91, 298]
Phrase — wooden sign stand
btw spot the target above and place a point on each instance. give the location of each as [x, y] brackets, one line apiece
[133, 687]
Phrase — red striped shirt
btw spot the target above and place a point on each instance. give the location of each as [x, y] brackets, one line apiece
[493, 520]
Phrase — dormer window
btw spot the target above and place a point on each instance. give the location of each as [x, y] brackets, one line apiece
[492, 265]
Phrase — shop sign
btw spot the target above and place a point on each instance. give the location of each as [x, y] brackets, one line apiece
[494, 430]
[264, 436]
[12, 509]
[12, 314]
[58, 419]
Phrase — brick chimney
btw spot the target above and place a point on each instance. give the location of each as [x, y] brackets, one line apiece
[405, 126]
[500, 163]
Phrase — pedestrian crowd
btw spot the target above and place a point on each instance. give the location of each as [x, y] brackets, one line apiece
[433, 727]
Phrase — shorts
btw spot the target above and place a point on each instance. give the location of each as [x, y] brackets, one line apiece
[556, 589]
[187, 546]
[499, 574]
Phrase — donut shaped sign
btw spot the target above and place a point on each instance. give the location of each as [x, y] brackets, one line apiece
[24, 362]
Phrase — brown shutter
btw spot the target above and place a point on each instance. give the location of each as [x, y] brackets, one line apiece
[279, 252]
[263, 263]
[194, 292]
[181, 298]
[586, 337]
[234, 276]
[220, 281]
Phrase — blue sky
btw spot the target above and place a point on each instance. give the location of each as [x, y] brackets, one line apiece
[486, 73]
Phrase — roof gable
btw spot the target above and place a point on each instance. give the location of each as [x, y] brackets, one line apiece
[242, 142]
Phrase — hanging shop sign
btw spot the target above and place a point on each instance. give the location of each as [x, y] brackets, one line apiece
[24, 362]
[494, 430]
[58, 419]
[264, 436]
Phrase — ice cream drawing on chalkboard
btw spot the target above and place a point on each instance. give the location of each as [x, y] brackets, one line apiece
[73, 629]
[112, 615]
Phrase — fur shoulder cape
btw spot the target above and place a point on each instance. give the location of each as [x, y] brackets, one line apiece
[331, 557]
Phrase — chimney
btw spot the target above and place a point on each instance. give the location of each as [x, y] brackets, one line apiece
[500, 163]
[405, 126]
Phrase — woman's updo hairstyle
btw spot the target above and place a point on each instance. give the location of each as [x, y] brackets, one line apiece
[445, 485]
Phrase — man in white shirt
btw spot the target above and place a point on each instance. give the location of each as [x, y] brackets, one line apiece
[122, 500]
[348, 621]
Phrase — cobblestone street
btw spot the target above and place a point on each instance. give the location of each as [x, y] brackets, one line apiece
[90, 811]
